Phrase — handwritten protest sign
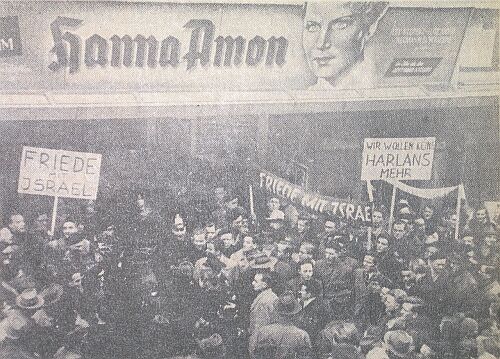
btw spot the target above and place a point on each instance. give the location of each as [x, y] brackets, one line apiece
[312, 201]
[398, 158]
[59, 173]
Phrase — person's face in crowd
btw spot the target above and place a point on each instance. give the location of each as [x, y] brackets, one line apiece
[332, 39]
[428, 213]
[490, 240]
[485, 249]
[258, 284]
[219, 193]
[301, 225]
[374, 287]
[377, 219]
[281, 250]
[276, 224]
[273, 204]
[406, 310]
[481, 216]
[306, 271]
[248, 243]
[232, 204]
[305, 253]
[429, 251]
[420, 225]
[186, 270]
[69, 229]
[237, 223]
[331, 254]
[180, 233]
[405, 221]
[468, 241]
[41, 223]
[408, 277]
[227, 239]
[76, 280]
[210, 232]
[17, 224]
[244, 228]
[398, 231]
[452, 222]
[438, 265]
[243, 263]
[211, 249]
[330, 227]
[109, 231]
[409, 226]
[140, 202]
[369, 263]
[391, 305]
[199, 241]
[382, 245]
[304, 295]
[8, 252]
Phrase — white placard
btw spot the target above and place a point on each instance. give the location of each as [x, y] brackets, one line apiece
[398, 158]
[59, 173]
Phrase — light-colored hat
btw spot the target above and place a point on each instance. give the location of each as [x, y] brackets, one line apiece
[276, 215]
[399, 343]
[29, 299]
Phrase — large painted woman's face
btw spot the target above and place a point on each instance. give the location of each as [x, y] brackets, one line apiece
[332, 39]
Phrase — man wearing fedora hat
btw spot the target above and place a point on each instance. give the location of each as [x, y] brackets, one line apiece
[282, 339]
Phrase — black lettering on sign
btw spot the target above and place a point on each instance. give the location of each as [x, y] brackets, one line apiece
[147, 50]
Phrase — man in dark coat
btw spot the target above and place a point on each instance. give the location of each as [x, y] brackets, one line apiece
[368, 308]
[435, 288]
[315, 312]
[336, 272]
[387, 263]
[305, 275]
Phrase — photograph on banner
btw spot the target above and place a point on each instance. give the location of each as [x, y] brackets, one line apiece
[398, 158]
[59, 173]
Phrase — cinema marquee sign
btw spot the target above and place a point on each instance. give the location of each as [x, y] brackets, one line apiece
[73, 52]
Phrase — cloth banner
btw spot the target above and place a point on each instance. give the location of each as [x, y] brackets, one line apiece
[428, 193]
[346, 209]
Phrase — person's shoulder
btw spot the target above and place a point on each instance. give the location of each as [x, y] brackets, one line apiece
[377, 353]
[5, 235]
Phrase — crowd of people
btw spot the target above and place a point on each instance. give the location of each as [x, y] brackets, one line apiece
[216, 280]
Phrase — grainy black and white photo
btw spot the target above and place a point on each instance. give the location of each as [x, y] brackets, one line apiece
[249, 179]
